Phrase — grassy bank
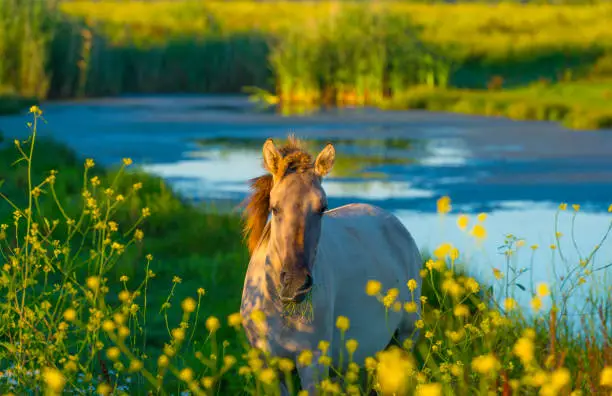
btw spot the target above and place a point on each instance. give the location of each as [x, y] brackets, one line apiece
[579, 105]
[114, 283]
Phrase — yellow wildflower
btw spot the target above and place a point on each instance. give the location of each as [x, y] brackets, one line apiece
[370, 363]
[186, 374]
[524, 349]
[373, 287]
[481, 217]
[212, 324]
[389, 299]
[479, 232]
[472, 285]
[189, 305]
[54, 379]
[462, 222]
[560, 378]
[229, 361]
[323, 346]
[393, 369]
[351, 346]
[136, 365]
[178, 334]
[461, 310]
[267, 376]
[432, 389]
[486, 364]
[412, 285]
[442, 251]
[444, 205]
[576, 207]
[36, 111]
[410, 307]
[325, 360]
[127, 161]
[286, 365]
[563, 206]
[93, 282]
[163, 361]
[543, 289]
[536, 303]
[235, 320]
[113, 353]
[208, 382]
[509, 304]
[305, 358]
[456, 336]
[610, 208]
[342, 323]
[108, 325]
[497, 273]
[104, 389]
[70, 314]
[606, 377]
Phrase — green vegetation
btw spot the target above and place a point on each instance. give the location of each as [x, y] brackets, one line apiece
[311, 53]
[578, 105]
[113, 282]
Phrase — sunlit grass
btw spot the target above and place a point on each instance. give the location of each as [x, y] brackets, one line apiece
[89, 306]
[579, 105]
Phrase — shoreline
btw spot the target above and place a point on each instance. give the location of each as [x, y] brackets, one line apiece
[569, 105]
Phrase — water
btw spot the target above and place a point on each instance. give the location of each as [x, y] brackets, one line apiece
[516, 172]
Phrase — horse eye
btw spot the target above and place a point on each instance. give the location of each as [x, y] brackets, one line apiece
[323, 209]
[275, 211]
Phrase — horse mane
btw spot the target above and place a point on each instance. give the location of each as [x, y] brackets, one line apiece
[294, 158]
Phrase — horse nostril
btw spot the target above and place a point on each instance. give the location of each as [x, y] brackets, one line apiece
[307, 283]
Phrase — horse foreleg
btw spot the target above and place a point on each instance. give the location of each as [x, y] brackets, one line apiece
[312, 375]
[284, 391]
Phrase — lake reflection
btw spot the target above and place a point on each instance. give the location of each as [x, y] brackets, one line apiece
[208, 147]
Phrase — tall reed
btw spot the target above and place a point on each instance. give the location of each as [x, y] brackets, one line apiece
[26, 31]
[357, 56]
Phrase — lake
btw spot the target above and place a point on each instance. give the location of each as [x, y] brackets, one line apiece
[207, 147]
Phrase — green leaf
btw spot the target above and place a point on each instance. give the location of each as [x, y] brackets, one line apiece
[520, 286]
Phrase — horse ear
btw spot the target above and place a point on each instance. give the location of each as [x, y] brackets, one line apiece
[271, 156]
[325, 160]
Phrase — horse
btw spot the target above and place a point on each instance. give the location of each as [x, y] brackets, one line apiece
[310, 265]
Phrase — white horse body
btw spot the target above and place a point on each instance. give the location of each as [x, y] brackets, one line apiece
[358, 243]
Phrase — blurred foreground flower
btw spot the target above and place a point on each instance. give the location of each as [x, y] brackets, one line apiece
[394, 370]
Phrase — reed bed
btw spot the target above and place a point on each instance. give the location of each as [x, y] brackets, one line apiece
[301, 50]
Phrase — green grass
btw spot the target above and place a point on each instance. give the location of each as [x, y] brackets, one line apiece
[579, 105]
